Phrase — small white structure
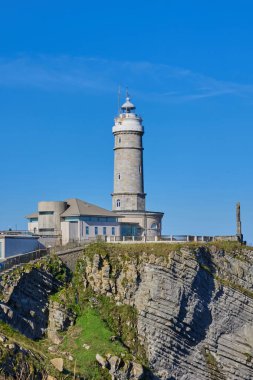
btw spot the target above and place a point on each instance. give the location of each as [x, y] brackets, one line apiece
[13, 244]
[72, 220]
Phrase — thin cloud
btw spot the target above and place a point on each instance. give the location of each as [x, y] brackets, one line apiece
[159, 81]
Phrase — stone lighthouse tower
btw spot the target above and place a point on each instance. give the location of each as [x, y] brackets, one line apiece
[128, 130]
[128, 198]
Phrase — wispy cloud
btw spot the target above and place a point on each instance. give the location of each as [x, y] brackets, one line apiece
[157, 81]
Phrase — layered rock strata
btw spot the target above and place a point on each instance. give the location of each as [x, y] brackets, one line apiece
[195, 306]
[25, 295]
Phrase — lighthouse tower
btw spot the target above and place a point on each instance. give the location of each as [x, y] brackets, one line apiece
[128, 197]
[128, 130]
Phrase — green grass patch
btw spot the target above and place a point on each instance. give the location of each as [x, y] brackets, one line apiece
[91, 330]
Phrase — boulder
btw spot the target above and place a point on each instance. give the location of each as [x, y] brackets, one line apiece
[57, 363]
[102, 361]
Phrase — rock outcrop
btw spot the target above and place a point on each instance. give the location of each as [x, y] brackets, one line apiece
[16, 362]
[60, 318]
[195, 305]
[121, 370]
[25, 295]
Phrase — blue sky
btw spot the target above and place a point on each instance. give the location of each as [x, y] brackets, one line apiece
[188, 66]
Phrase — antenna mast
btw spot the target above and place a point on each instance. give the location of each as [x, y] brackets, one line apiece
[119, 94]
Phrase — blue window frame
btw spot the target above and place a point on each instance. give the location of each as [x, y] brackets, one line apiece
[87, 230]
[113, 230]
[96, 230]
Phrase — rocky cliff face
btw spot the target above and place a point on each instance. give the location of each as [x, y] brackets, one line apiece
[195, 305]
[25, 295]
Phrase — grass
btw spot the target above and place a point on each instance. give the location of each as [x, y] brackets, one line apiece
[91, 330]
[127, 252]
[40, 357]
[213, 367]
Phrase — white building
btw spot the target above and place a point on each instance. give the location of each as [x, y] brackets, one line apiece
[72, 220]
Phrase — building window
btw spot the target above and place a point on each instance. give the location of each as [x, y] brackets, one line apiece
[104, 230]
[113, 231]
[87, 230]
[140, 169]
[119, 176]
[46, 212]
[96, 230]
[119, 139]
[46, 229]
[118, 203]
[154, 226]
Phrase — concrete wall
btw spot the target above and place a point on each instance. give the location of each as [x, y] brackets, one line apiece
[146, 222]
[16, 245]
[49, 216]
[33, 227]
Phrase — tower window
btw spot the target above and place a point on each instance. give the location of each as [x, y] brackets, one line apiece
[140, 169]
[118, 203]
[119, 176]
[119, 140]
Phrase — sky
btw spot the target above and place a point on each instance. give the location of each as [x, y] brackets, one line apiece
[188, 68]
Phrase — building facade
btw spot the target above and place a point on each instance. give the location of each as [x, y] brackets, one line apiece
[128, 197]
[72, 220]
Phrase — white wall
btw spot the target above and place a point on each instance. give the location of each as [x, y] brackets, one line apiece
[32, 226]
[16, 245]
[81, 230]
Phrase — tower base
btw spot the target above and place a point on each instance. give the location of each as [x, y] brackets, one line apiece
[140, 223]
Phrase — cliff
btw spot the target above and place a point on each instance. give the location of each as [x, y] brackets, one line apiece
[143, 311]
[194, 305]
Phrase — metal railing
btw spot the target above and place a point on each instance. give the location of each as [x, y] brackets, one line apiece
[16, 232]
[163, 238]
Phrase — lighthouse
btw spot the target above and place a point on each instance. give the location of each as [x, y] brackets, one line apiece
[128, 130]
[128, 197]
